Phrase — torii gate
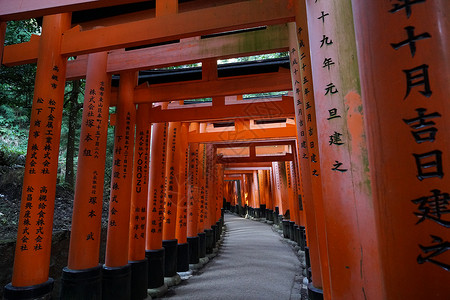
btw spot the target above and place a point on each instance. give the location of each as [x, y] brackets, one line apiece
[396, 230]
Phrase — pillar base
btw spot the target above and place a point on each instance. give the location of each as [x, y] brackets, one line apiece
[173, 280]
[215, 230]
[139, 279]
[291, 230]
[202, 245]
[302, 237]
[81, 284]
[41, 291]
[204, 260]
[155, 268]
[286, 231]
[296, 234]
[185, 275]
[194, 248]
[183, 258]
[209, 240]
[116, 283]
[158, 292]
[170, 259]
[314, 293]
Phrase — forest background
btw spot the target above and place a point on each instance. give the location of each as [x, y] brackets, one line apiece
[16, 96]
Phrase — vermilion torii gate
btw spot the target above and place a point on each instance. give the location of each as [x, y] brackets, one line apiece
[368, 85]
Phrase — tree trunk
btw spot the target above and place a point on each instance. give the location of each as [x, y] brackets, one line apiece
[74, 107]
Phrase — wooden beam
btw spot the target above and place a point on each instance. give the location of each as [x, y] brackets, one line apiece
[187, 51]
[288, 132]
[26, 9]
[258, 109]
[257, 144]
[249, 165]
[236, 85]
[234, 16]
[256, 159]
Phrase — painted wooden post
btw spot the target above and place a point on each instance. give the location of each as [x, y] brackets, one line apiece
[193, 198]
[256, 195]
[34, 234]
[277, 192]
[262, 194]
[352, 245]
[139, 198]
[82, 277]
[182, 201]
[209, 195]
[201, 199]
[117, 271]
[405, 90]
[2, 40]
[308, 150]
[270, 195]
[155, 206]
[171, 201]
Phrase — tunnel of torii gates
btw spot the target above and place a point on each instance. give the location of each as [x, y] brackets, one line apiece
[357, 151]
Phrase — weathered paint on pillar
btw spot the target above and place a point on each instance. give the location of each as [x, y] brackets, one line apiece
[172, 176]
[139, 195]
[182, 201]
[308, 148]
[122, 174]
[34, 234]
[88, 200]
[155, 205]
[353, 256]
[403, 55]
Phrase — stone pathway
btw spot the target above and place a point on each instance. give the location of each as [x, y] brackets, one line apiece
[254, 262]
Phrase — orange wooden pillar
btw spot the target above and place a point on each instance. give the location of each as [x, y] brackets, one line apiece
[262, 194]
[270, 198]
[201, 198]
[405, 93]
[34, 234]
[308, 151]
[154, 250]
[352, 245]
[210, 202]
[193, 198]
[255, 193]
[172, 175]
[116, 270]
[182, 201]
[220, 207]
[276, 194]
[2, 40]
[82, 277]
[138, 211]
[292, 201]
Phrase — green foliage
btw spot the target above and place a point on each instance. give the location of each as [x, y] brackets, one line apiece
[254, 58]
[17, 83]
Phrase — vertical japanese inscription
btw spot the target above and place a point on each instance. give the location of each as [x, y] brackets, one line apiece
[424, 128]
